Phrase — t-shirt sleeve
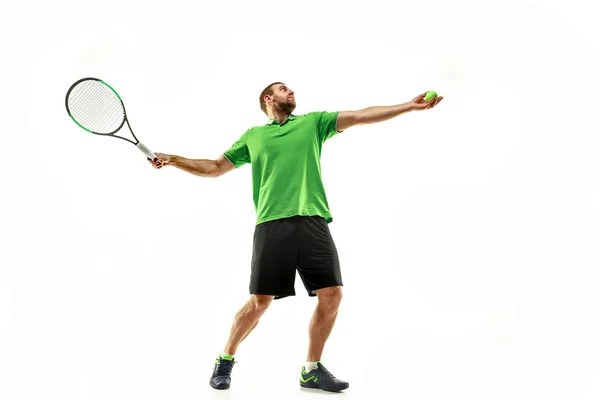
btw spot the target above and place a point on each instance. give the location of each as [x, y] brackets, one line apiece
[326, 124]
[238, 153]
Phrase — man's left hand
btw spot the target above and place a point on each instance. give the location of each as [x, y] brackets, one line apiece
[419, 103]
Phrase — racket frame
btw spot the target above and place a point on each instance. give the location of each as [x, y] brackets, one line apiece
[137, 142]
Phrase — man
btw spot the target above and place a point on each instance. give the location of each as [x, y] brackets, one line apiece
[293, 214]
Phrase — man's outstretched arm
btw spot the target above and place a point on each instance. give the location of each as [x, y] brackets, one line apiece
[204, 168]
[371, 115]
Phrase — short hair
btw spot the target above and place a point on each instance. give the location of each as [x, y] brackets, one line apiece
[268, 91]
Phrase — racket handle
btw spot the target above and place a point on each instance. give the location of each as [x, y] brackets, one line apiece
[145, 150]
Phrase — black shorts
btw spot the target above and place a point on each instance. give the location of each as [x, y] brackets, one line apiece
[285, 245]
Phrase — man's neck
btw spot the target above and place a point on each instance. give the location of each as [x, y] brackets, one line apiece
[279, 116]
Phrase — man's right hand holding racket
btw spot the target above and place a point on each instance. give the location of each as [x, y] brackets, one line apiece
[204, 168]
[161, 160]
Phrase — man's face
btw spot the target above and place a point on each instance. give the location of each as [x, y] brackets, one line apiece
[283, 98]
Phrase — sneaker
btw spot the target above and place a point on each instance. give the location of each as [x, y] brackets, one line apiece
[221, 377]
[320, 378]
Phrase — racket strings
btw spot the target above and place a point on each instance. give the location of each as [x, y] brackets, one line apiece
[96, 107]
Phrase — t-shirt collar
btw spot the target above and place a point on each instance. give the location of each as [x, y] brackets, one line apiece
[274, 121]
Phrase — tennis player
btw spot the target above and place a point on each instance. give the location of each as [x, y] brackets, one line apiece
[292, 232]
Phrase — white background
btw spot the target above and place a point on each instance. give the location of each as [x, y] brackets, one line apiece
[468, 234]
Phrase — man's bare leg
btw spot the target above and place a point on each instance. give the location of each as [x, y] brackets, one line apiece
[315, 375]
[246, 320]
[322, 321]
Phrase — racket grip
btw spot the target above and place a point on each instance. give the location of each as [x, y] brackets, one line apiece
[145, 150]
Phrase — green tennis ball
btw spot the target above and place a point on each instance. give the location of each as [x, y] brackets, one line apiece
[430, 95]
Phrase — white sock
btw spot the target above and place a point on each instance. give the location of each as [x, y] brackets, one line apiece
[224, 354]
[310, 365]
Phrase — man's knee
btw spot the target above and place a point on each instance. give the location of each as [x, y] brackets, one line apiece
[260, 302]
[330, 298]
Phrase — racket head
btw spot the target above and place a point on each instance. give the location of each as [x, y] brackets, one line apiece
[95, 106]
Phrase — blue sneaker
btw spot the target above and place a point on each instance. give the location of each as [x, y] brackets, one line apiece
[321, 378]
[221, 377]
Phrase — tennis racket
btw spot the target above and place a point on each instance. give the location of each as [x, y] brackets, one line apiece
[97, 108]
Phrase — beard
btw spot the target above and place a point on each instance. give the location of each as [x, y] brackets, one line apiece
[287, 107]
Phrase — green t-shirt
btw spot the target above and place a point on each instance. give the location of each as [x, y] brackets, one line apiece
[286, 165]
